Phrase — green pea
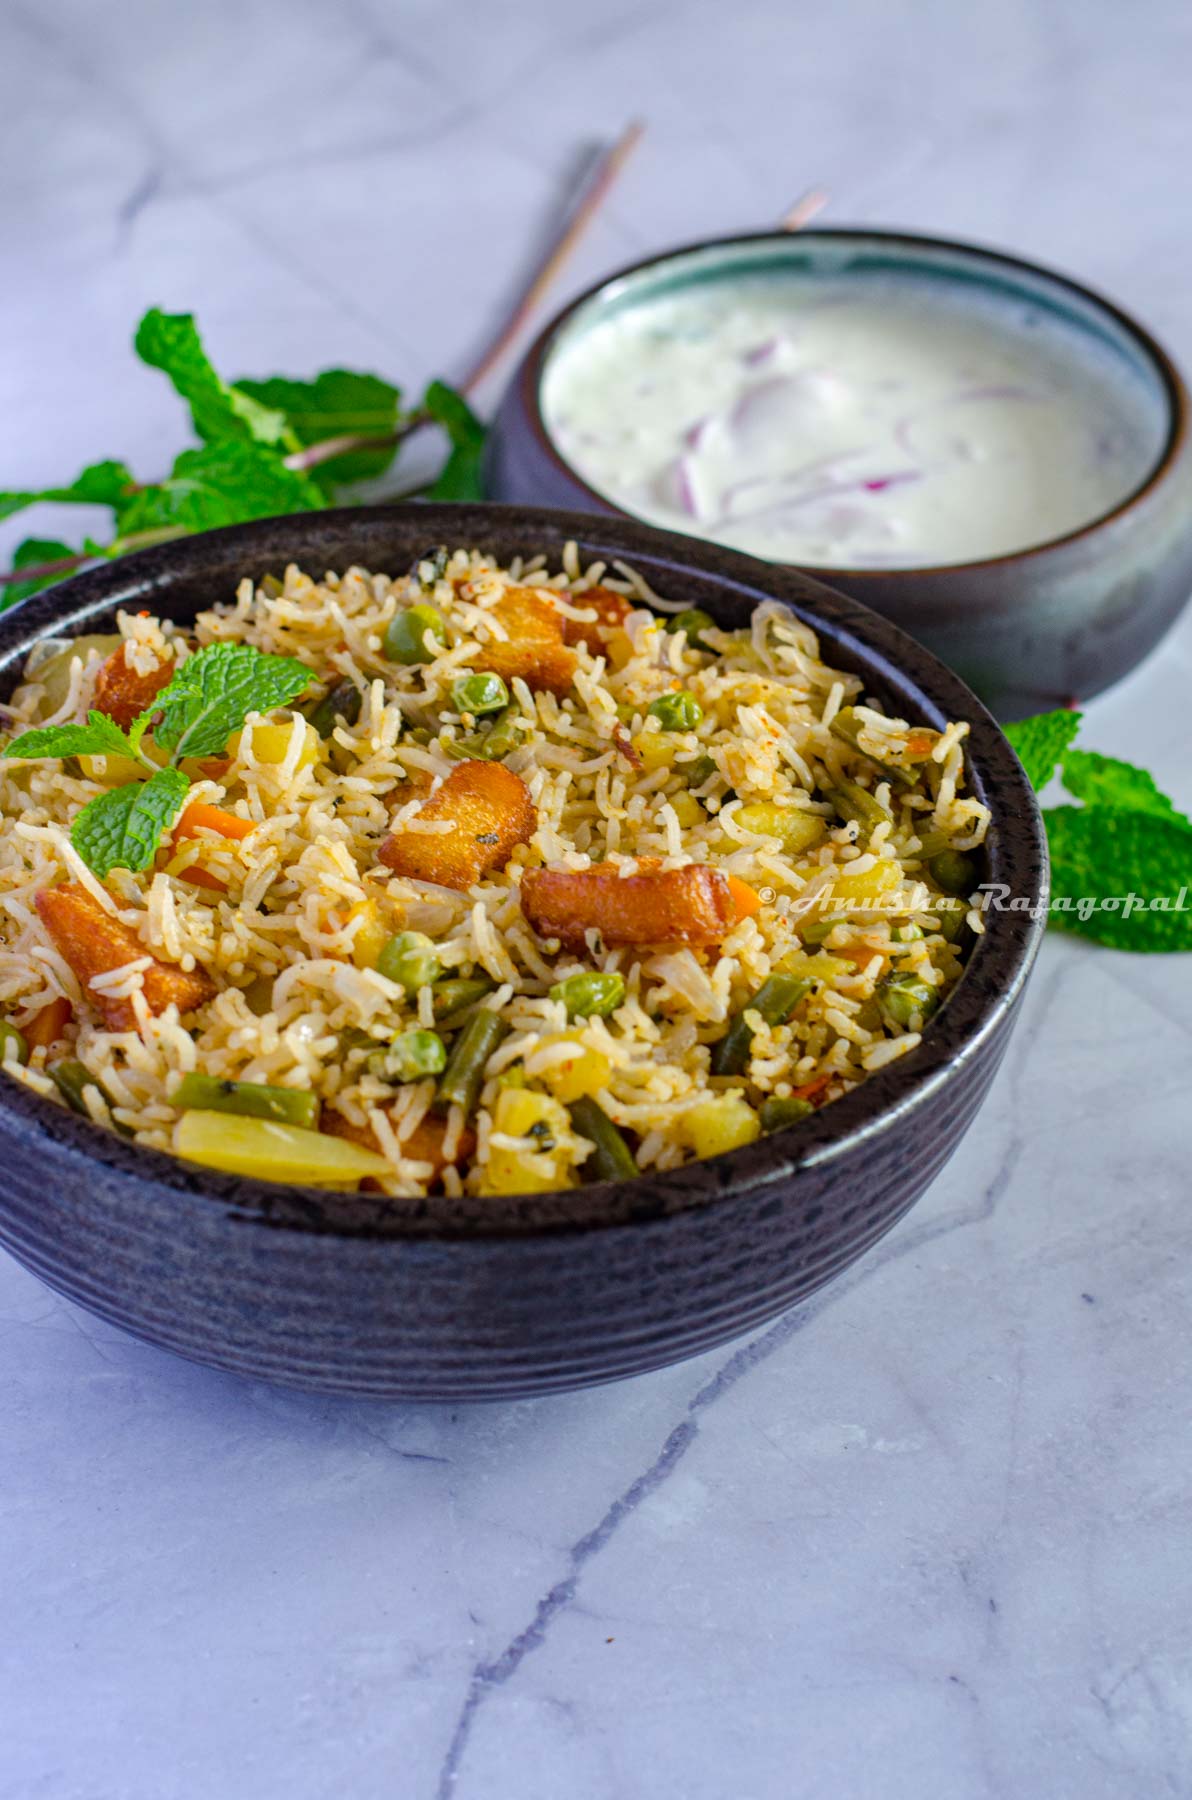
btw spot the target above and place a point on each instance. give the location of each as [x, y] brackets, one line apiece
[676, 712]
[406, 634]
[693, 622]
[951, 913]
[776, 1114]
[479, 694]
[590, 995]
[907, 1000]
[410, 960]
[410, 1057]
[72, 1079]
[13, 1044]
[696, 772]
[955, 873]
[907, 934]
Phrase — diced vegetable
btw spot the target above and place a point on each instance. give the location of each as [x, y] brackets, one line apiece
[268, 1150]
[868, 886]
[200, 816]
[411, 960]
[611, 1158]
[491, 811]
[543, 1126]
[848, 726]
[411, 1056]
[343, 701]
[776, 1000]
[676, 712]
[479, 694]
[492, 745]
[92, 942]
[48, 1025]
[454, 999]
[463, 1078]
[817, 967]
[951, 912]
[71, 1078]
[271, 743]
[692, 905]
[250, 1099]
[795, 829]
[719, 1123]
[590, 995]
[371, 934]
[111, 771]
[408, 632]
[695, 773]
[777, 1114]
[954, 872]
[907, 1000]
[856, 803]
[14, 1046]
[655, 749]
[687, 810]
[819, 926]
[586, 1071]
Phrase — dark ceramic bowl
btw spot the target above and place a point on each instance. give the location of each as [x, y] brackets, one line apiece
[1036, 629]
[464, 1299]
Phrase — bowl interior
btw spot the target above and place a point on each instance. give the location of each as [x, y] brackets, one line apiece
[181, 579]
[981, 281]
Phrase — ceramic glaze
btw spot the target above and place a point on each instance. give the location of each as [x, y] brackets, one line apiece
[862, 422]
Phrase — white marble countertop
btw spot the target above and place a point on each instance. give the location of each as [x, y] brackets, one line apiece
[926, 1538]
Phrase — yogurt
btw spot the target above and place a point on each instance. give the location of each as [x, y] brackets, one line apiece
[859, 422]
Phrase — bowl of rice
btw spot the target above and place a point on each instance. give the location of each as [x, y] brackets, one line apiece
[463, 951]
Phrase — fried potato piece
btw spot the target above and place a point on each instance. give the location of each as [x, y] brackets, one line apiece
[695, 905]
[491, 810]
[535, 649]
[93, 942]
[122, 692]
[424, 1144]
[612, 609]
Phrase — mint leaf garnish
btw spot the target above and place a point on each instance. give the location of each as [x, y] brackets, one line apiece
[1139, 862]
[223, 484]
[460, 477]
[1104, 781]
[100, 484]
[171, 342]
[213, 693]
[122, 828]
[30, 554]
[1041, 741]
[331, 405]
[100, 736]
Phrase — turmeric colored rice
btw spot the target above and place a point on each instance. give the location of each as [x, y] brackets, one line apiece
[775, 878]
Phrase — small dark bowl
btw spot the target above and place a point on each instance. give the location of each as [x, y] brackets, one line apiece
[442, 1299]
[1040, 628]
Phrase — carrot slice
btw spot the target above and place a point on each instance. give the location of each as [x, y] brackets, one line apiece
[122, 692]
[491, 813]
[48, 1025]
[201, 816]
[745, 898]
[695, 905]
[93, 942]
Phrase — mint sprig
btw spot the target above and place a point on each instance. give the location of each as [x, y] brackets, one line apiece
[1121, 863]
[209, 698]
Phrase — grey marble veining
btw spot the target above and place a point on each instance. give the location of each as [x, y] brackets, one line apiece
[925, 1539]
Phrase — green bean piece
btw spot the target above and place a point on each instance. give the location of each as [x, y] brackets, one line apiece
[70, 1078]
[776, 1114]
[407, 632]
[251, 1099]
[430, 567]
[454, 999]
[848, 727]
[693, 621]
[951, 912]
[590, 995]
[343, 701]
[411, 960]
[462, 1079]
[696, 772]
[410, 1057]
[954, 872]
[907, 934]
[818, 930]
[13, 1043]
[676, 712]
[479, 694]
[492, 745]
[272, 586]
[776, 999]
[611, 1158]
[855, 802]
[907, 1000]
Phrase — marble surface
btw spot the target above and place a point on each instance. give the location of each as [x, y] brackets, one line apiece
[924, 1540]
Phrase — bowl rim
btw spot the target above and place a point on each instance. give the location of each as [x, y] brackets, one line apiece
[995, 971]
[528, 378]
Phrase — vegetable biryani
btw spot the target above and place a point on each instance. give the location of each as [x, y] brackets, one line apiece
[479, 878]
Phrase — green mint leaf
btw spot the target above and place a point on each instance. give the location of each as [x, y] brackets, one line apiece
[1041, 741]
[28, 555]
[213, 693]
[122, 828]
[460, 476]
[100, 484]
[1131, 859]
[334, 403]
[171, 342]
[100, 736]
[1104, 781]
[223, 484]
